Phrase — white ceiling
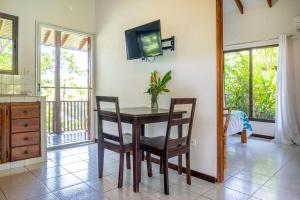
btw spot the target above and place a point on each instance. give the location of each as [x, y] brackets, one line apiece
[230, 5]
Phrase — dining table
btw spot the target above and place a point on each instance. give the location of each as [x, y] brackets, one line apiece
[138, 117]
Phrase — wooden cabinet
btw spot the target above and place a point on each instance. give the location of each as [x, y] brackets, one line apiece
[4, 133]
[20, 131]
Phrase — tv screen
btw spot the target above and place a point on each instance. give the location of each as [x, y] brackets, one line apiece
[144, 41]
[150, 44]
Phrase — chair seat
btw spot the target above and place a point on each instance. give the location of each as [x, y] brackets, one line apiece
[127, 139]
[158, 143]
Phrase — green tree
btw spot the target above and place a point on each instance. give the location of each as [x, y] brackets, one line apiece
[6, 55]
[237, 78]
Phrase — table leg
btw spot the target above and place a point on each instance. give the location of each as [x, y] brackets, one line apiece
[136, 154]
[180, 157]
[143, 134]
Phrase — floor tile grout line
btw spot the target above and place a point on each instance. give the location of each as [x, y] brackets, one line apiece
[271, 177]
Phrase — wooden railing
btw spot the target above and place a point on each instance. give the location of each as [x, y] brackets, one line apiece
[74, 116]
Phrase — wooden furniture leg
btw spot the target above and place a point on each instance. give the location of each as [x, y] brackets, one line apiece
[121, 170]
[149, 164]
[100, 158]
[161, 170]
[244, 137]
[188, 168]
[136, 144]
[128, 160]
[166, 174]
[180, 156]
[143, 134]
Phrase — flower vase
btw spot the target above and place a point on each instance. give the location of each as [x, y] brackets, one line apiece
[154, 102]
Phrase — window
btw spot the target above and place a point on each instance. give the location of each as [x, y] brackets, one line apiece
[250, 81]
[8, 44]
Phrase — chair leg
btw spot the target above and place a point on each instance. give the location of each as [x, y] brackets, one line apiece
[149, 164]
[100, 161]
[180, 164]
[121, 170]
[140, 167]
[128, 160]
[166, 175]
[161, 170]
[188, 168]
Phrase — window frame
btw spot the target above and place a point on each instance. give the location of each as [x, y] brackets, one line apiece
[15, 32]
[250, 49]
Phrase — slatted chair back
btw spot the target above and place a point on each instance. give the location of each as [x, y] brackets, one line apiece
[227, 114]
[174, 120]
[110, 116]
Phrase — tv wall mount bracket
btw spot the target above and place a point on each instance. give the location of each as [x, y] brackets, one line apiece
[169, 43]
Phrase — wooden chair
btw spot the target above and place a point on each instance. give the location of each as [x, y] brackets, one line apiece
[165, 147]
[119, 143]
[227, 114]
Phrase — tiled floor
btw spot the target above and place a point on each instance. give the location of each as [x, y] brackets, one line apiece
[258, 170]
[65, 138]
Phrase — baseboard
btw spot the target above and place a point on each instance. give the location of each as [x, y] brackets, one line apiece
[193, 172]
[262, 136]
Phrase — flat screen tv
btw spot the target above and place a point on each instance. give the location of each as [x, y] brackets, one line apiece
[144, 41]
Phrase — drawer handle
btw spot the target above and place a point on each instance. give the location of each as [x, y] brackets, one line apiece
[25, 125]
[25, 112]
[25, 152]
[26, 138]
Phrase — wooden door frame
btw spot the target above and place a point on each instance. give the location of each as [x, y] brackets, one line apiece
[220, 70]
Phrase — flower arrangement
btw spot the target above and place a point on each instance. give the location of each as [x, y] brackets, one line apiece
[158, 86]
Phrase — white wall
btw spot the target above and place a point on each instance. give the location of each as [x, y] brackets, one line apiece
[73, 14]
[193, 64]
[261, 23]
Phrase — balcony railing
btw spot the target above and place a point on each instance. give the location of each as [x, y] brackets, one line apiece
[73, 117]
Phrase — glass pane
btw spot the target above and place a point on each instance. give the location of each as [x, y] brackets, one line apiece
[74, 60]
[6, 45]
[49, 93]
[236, 77]
[265, 61]
[47, 65]
[74, 94]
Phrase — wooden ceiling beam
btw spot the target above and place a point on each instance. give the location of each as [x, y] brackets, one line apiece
[270, 3]
[240, 6]
[64, 39]
[82, 43]
[46, 36]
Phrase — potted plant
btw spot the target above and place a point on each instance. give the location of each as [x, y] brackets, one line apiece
[157, 86]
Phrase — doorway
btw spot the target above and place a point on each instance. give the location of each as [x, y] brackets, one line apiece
[64, 78]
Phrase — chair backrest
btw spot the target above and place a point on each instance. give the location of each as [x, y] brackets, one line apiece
[175, 120]
[227, 114]
[111, 116]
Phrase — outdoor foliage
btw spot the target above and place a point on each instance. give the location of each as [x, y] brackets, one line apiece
[6, 55]
[237, 81]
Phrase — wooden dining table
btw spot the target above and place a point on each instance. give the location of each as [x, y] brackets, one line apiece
[138, 117]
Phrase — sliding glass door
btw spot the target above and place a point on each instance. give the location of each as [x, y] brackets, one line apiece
[65, 80]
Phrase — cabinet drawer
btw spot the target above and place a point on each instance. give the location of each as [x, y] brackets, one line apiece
[25, 111]
[22, 153]
[24, 139]
[25, 125]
